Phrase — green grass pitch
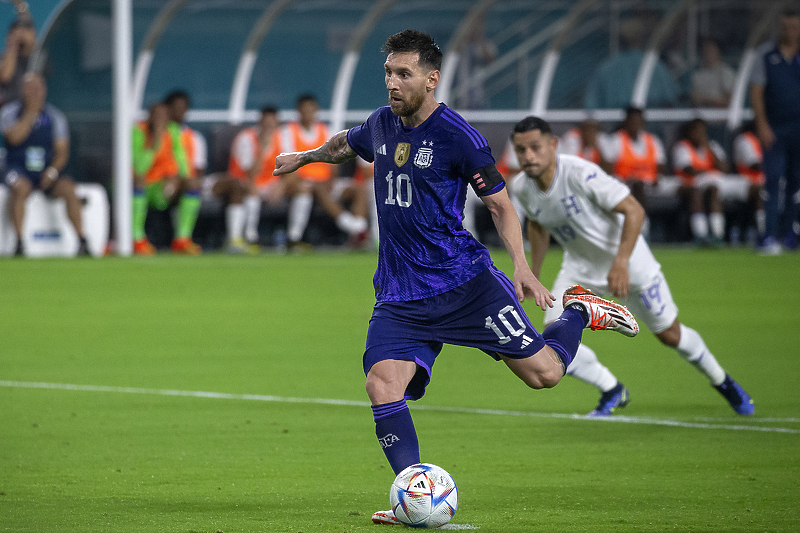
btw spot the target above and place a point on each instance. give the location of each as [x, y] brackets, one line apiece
[118, 437]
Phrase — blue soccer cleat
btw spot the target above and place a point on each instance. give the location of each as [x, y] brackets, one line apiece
[740, 401]
[617, 397]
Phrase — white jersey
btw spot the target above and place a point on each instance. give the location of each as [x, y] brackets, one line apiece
[577, 211]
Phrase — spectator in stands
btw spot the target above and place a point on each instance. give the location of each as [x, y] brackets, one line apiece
[161, 180]
[712, 83]
[250, 180]
[774, 90]
[193, 142]
[748, 157]
[309, 133]
[20, 42]
[36, 135]
[635, 156]
[700, 163]
[583, 141]
[611, 85]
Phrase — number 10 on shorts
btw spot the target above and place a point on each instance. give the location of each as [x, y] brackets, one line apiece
[506, 323]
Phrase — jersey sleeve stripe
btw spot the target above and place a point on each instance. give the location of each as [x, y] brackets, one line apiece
[455, 119]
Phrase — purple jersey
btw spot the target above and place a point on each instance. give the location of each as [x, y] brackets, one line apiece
[420, 190]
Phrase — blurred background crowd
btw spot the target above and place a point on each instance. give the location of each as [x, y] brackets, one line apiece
[693, 103]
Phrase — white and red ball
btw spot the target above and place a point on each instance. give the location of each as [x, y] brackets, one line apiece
[424, 495]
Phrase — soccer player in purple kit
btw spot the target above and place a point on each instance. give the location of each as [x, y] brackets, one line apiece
[435, 283]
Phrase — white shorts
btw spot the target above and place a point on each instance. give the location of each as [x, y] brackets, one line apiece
[729, 186]
[652, 304]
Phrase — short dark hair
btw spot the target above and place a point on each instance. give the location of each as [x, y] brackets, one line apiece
[269, 109]
[411, 41]
[177, 94]
[689, 126]
[790, 12]
[532, 123]
[633, 111]
[306, 97]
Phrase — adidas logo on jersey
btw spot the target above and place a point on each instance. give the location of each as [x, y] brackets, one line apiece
[381, 150]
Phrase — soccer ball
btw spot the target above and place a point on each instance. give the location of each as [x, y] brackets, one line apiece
[424, 495]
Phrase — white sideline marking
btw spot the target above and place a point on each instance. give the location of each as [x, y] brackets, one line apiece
[497, 412]
[458, 526]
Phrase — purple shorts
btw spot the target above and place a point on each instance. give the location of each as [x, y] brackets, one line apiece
[482, 313]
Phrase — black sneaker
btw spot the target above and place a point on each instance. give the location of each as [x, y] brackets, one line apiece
[83, 248]
[19, 251]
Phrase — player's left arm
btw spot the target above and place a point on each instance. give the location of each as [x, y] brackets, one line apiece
[619, 280]
[336, 150]
[508, 227]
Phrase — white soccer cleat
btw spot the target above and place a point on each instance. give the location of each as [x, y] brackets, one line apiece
[385, 517]
[603, 314]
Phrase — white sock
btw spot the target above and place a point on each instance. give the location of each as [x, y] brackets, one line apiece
[234, 219]
[692, 348]
[299, 213]
[699, 224]
[349, 223]
[761, 222]
[252, 206]
[717, 223]
[587, 368]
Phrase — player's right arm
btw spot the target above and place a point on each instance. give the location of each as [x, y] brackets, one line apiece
[143, 155]
[763, 129]
[539, 238]
[336, 150]
[619, 280]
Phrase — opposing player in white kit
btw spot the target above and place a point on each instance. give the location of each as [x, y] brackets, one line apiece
[598, 223]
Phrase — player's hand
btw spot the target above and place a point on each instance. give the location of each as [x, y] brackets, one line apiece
[619, 280]
[527, 286]
[45, 182]
[765, 135]
[286, 163]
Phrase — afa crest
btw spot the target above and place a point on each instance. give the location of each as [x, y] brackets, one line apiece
[402, 153]
[424, 157]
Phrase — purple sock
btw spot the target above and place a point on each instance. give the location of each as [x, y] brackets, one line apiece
[564, 334]
[396, 433]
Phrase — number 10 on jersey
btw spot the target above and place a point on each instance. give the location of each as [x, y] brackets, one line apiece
[399, 192]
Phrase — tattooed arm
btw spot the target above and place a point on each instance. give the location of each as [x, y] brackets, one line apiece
[336, 150]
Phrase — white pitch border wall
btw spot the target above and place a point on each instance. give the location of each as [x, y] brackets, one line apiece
[46, 230]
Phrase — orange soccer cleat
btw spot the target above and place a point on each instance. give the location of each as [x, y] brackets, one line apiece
[143, 247]
[184, 245]
[603, 314]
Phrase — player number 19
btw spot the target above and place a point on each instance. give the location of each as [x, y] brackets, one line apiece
[396, 196]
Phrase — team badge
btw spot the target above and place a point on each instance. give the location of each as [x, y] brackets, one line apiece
[401, 154]
[424, 157]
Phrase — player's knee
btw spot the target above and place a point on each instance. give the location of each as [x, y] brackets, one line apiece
[671, 336]
[381, 389]
[22, 188]
[543, 379]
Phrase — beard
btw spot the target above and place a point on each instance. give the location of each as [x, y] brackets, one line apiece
[407, 107]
